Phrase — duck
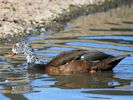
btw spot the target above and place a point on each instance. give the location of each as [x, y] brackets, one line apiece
[67, 62]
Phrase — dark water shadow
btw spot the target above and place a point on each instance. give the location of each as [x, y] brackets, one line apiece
[128, 22]
[111, 23]
[111, 92]
[112, 39]
[114, 29]
[16, 96]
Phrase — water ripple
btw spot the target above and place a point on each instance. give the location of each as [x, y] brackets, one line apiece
[95, 45]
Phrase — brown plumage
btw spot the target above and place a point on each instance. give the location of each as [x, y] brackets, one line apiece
[78, 61]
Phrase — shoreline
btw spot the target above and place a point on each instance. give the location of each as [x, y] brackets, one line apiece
[13, 26]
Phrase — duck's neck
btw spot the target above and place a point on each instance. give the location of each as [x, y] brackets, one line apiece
[30, 55]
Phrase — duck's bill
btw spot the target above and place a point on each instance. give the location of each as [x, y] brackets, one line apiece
[9, 55]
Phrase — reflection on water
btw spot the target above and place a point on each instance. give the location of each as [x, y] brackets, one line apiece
[18, 84]
[95, 45]
[112, 92]
[124, 38]
[98, 80]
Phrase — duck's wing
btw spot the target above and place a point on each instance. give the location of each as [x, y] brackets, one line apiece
[68, 56]
[95, 56]
[109, 63]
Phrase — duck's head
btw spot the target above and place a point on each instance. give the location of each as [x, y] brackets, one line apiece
[24, 47]
[17, 48]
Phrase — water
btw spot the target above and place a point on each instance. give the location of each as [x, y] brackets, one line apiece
[18, 84]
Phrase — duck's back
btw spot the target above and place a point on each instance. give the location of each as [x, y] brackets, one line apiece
[68, 56]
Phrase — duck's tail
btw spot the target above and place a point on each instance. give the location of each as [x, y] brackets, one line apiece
[109, 63]
[115, 60]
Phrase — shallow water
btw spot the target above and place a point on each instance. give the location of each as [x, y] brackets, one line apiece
[18, 84]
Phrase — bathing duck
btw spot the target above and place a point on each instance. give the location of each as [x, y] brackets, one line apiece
[69, 62]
